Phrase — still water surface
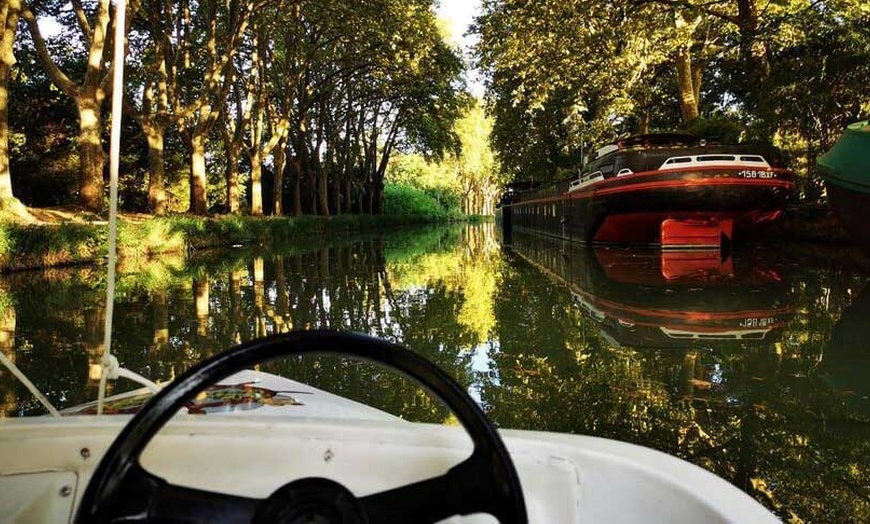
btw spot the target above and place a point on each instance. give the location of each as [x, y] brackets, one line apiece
[754, 366]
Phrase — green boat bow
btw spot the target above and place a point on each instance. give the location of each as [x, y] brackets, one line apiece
[847, 164]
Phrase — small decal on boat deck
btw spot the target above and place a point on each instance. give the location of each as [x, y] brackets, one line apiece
[216, 399]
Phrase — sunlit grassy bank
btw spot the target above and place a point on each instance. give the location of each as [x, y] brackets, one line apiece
[24, 246]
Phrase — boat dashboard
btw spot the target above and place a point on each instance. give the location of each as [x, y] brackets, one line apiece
[46, 463]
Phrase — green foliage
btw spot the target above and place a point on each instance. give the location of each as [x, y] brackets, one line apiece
[400, 199]
[43, 157]
[468, 179]
[447, 200]
[434, 178]
[414, 169]
[570, 75]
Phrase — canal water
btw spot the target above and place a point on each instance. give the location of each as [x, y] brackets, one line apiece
[753, 364]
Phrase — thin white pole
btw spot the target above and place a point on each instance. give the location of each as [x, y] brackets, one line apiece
[114, 156]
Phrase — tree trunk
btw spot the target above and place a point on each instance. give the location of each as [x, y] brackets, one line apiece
[378, 198]
[297, 190]
[697, 76]
[91, 154]
[752, 50]
[369, 199]
[336, 195]
[310, 194]
[256, 183]
[198, 180]
[279, 159]
[643, 122]
[156, 171]
[232, 176]
[9, 19]
[322, 191]
[688, 102]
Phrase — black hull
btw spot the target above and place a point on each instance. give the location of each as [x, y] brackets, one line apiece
[630, 210]
[853, 208]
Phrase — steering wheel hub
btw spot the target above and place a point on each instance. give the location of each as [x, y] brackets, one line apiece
[311, 501]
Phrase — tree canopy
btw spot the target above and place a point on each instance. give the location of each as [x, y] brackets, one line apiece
[242, 102]
[566, 74]
[297, 106]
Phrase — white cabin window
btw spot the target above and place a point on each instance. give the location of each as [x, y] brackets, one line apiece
[716, 158]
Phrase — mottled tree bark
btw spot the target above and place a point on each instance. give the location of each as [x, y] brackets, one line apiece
[9, 19]
[155, 135]
[198, 179]
[279, 159]
[685, 79]
[232, 177]
[256, 182]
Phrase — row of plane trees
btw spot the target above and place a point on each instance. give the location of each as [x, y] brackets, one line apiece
[320, 94]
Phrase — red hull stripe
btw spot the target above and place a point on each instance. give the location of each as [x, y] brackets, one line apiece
[664, 184]
[669, 184]
[689, 316]
[694, 328]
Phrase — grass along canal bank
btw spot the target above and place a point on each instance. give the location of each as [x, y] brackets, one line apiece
[57, 240]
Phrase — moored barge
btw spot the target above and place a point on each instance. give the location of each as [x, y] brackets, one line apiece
[668, 190]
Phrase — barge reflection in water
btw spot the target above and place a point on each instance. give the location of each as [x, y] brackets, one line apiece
[657, 299]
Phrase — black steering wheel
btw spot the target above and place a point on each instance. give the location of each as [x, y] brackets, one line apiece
[122, 491]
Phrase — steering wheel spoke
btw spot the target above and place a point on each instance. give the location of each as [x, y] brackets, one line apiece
[466, 488]
[145, 497]
[182, 504]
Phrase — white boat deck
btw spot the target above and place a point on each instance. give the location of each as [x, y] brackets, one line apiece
[46, 462]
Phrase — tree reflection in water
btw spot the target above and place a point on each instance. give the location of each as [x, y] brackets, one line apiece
[758, 374]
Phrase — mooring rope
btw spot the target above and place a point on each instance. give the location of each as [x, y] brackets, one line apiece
[28, 384]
